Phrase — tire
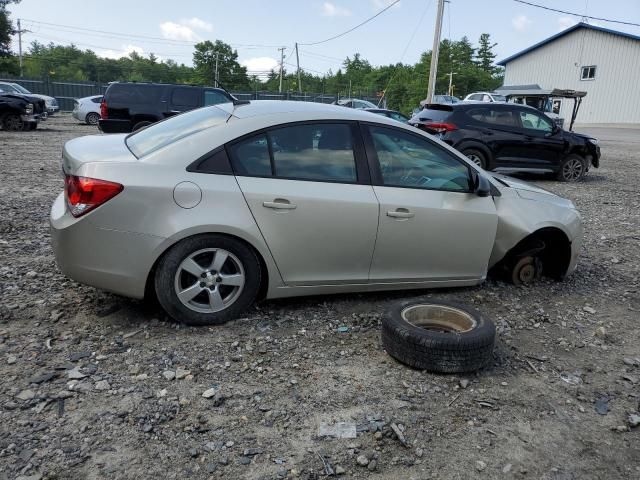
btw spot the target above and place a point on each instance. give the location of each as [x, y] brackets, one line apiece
[213, 298]
[12, 122]
[140, 125]
[92, 118]
[476, 156]
[572, 169]
[437, 347]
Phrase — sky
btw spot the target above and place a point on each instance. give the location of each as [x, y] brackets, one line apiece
[256, 28]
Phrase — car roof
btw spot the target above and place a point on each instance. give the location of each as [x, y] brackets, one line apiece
[257, 108]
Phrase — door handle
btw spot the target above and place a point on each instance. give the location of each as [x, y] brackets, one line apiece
[280, 204]
[400, 213]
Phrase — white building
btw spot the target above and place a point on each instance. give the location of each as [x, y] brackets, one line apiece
[602, 62]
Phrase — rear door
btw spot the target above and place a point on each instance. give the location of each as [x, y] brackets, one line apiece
[309, 190]
[431, 227]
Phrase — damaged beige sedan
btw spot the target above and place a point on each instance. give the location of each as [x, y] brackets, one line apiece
[218, 207]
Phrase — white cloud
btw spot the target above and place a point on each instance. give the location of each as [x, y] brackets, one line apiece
[521, 23]
[262, 64]
[380, 4]
[331, 10]
[176, 31]
[197, 24]
[115, 54]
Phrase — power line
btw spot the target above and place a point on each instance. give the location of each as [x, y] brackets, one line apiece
[576, 14]
[351, 29]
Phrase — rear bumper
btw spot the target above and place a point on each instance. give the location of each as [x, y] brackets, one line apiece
[110, 125]
[108, 259]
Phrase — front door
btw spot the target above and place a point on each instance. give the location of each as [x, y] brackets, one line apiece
[431, 226]
[543, 144]
[306, 187]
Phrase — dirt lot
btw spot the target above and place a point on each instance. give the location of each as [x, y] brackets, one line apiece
[86, 388]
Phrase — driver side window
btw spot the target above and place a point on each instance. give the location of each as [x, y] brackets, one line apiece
[533, 121]
[409, 161]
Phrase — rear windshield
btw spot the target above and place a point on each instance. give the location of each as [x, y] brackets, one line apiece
[432, 115]
[130, 93]
[154, 137]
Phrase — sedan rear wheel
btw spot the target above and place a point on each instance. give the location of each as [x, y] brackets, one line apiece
[208, 279]
[92, 118]
[572, 169]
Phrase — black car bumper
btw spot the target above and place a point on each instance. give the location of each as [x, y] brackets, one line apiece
[114, 126]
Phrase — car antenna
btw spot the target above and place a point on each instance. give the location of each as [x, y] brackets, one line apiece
[234, 100]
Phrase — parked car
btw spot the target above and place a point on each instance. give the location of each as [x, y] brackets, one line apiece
[127, 107]
[217, 207]
[507, 137]
[446, 99]
[87, 109]
[20, 112]
[354, 103]
[51, 103]
[485, 97]
[389, 113]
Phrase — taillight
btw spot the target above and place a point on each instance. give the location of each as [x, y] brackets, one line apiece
[103, 109]
[440, 127]
[83, 194]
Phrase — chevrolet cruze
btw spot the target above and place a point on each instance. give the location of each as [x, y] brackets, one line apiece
[213, 209]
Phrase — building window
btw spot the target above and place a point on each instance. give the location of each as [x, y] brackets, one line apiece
[588, 73]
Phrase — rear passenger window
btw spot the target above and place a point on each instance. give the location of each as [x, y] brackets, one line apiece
[322, 152]
[131, 93]
[186, 97]
[211, 97]
[251, 158]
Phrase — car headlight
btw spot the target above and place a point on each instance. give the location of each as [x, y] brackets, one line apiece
[593, 140]
[28, 109]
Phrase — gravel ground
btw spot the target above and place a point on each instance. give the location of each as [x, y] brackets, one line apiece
[96, 386]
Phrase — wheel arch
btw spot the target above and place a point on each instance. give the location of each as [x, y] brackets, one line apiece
[267, 269]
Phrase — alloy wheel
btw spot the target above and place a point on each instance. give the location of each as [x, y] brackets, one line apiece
[572, 170]
[475, 159]
[209, 280]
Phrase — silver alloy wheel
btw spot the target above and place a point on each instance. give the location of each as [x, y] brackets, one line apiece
[209, 280]
[92, 118]
[474, 158]
[572, 170]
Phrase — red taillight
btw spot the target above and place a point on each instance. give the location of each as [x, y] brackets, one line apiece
[84, 194]
[440, 127]
[103, 109]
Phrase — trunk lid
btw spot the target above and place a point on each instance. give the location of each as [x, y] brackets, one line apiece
[95, 148]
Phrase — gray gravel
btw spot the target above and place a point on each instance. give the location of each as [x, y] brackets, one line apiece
[96, 386]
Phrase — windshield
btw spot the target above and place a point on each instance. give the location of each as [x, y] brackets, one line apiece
[161, 134]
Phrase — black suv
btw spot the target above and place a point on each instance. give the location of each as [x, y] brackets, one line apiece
[20, 112]
[510, 138]
[127, 107]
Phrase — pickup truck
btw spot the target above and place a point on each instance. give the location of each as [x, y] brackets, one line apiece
[20, 112]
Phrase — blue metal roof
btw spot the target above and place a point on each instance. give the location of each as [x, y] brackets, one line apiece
[565, 32]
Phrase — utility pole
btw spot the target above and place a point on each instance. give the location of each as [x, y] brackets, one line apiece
[20, 31]
[298, 64]
[216, 74]
[433, 70]
[282, 49]
[450, 75]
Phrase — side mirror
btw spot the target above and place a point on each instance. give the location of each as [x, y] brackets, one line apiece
[482, 187]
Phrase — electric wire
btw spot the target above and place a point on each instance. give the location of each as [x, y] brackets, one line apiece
[544, 7]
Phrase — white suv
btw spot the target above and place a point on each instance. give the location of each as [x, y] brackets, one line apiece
[485, 97]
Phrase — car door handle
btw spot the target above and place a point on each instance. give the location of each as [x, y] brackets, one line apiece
[400, 213]
[279, 204]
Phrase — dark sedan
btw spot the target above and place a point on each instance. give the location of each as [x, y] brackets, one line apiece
[510, 138]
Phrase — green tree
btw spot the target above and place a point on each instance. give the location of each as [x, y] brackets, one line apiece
[6, 28]
[230, 73]
[485, 55]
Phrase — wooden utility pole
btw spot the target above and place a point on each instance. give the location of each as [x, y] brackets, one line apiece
[433, 70]
[450, 75]
[20, 31]
[282, 49]
[216, 74]
[298, 64]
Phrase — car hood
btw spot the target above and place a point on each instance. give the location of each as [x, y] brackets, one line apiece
[22, 96]
[46, 98]
[532, 192]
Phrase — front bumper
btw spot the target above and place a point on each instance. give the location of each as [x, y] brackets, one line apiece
[30, 118]
[108, 259]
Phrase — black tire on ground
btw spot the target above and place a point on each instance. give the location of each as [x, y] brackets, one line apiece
[140, 125]
[92, 118]
[167, 271]
[572, 169]
[453, 339]
[12, 122]
[476, 156]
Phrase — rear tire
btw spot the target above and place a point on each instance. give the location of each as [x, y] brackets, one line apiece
[140, 125]
[572, 169]
[12, 122]
[195, 290]
[92, 118]
[476, 156]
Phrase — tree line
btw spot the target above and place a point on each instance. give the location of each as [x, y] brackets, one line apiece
[404, 85]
